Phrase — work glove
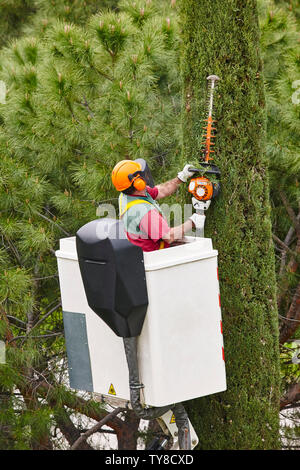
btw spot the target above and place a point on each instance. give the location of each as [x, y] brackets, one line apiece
[198, 221]
[185, 174]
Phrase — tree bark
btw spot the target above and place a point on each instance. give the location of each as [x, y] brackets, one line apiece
[127, 438]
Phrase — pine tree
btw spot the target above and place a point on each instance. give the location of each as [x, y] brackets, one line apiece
[13, 15]
[19, 17]
[222, 38]
[280, 26]
[80, 97]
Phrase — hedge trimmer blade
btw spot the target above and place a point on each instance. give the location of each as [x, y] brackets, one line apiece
[201, 187]
[212, 79]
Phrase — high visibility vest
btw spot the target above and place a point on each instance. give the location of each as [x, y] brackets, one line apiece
[132, 210]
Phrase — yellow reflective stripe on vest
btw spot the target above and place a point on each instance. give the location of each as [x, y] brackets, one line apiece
[130, 204]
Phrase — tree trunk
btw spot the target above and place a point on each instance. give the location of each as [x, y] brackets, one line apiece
[127, 438]
[222, 37]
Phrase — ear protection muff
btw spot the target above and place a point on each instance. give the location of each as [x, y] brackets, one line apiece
[137, 181]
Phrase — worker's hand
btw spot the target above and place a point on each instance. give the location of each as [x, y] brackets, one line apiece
[198, 221]
[185, 174]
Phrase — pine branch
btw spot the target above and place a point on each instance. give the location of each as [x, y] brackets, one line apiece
[24, 337]
[293, 313]
[292, 396]
[45, 277]
[281, 243]
[68, 429]
[291, 268]
[47, 335]
[286, 320]
[101, 73]
[287, 241]
[96, 428]
[80, 405]
[13, 249]
[46, 315]
[290, 212]
[15, 320]
[54, 223]
[85, 104]
[291, 407]
[8, 332]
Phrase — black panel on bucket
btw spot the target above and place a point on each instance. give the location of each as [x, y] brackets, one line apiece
[113, 275]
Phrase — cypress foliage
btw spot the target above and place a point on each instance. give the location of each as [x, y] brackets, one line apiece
[222, 37]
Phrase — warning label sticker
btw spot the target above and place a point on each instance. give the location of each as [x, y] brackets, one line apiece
[172, 420]
[111, 390]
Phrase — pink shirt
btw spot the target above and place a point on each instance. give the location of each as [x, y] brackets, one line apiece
[153, 227]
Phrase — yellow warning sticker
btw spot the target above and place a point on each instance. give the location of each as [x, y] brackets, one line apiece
[172, 420]
[111, 390]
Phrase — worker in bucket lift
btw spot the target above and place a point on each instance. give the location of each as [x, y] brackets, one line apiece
[144, 223]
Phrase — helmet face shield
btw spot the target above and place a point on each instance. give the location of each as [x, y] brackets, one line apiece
[146, 172]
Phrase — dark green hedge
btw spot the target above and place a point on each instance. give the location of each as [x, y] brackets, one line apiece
[222, 37]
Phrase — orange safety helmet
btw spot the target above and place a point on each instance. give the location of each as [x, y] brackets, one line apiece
[127, 173]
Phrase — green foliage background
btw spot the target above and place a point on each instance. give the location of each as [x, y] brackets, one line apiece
[86, 87]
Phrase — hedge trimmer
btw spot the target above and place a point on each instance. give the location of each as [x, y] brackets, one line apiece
[201, 187]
